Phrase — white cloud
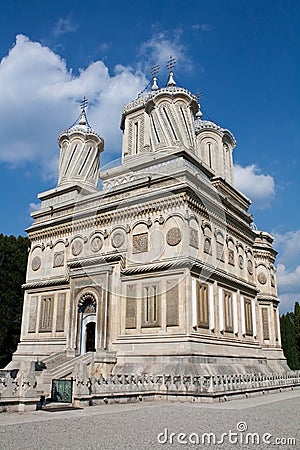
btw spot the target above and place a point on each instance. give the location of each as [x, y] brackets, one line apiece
[288, 246]
[202, 27]
[34, 207]
[161, 46]
[41, 96]
[63, 26]
[258, 187]
[287, 302]
[288, 281]
[288, 268]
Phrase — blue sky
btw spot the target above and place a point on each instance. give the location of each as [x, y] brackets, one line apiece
[243, 56]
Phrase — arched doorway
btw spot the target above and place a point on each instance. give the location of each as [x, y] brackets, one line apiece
[90, 335]
[87, 323]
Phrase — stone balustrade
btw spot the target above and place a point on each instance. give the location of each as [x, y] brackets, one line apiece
[181, 385]
[18, 390]
[22, 391]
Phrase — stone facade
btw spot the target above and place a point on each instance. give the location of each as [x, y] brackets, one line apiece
[160, 271]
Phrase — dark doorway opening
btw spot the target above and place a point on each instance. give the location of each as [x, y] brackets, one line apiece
[90, 337]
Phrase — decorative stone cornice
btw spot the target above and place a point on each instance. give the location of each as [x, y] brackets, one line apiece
[195, 266]
[45, 283]
[71, 224]
[268, 298]
[106, 259]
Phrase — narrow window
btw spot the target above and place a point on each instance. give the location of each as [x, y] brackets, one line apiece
[70, 160]
[151, 307]
[228, 311]
[209, 147]
[220, 247]
[155, 129]
[170, 123]
[202, 306]
[136, 137]
[186, 125]
[85, 160]
[46, 314]
[248, 317]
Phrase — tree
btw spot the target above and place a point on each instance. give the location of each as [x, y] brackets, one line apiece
[13, 262]
[288, 339]
[297, 326]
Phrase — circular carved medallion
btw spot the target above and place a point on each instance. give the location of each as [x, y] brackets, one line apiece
[241, 261]
[250, 266]
[77, 247]
[262, 278]
[173, 236]
[96, 244]
[58, 259]
[36, 263]
[117, 239]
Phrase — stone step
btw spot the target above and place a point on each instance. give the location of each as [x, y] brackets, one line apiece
[58, 406]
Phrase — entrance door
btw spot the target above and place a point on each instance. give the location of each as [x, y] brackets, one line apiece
[90, 337]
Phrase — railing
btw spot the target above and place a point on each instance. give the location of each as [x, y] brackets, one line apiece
[22, 386]
[23, 389]
[209, 386]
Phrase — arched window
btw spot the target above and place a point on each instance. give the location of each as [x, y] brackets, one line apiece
[87, 304]
[219, 245]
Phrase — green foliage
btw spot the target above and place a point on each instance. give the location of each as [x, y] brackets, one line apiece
[290, 337]
[13, 262]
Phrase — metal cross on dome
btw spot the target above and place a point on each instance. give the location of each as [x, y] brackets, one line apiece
[199, 95]
[84, 103]
[171, 63]
[154, 70]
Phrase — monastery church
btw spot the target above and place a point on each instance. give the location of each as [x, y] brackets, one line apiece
[159, 271]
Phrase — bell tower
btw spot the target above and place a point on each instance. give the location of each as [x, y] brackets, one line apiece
[80, 148]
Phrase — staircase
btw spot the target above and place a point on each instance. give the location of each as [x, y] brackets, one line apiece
[58, 366]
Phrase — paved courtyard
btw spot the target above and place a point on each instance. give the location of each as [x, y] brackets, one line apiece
[256, 423]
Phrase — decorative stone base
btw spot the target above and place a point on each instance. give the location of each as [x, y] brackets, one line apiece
[125, 388]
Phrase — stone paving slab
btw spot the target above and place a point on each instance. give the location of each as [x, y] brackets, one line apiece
[150, 425]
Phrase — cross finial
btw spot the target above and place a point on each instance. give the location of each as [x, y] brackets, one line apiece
[84, 103]
[198, 95]
[154, 70]
[171, 63]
